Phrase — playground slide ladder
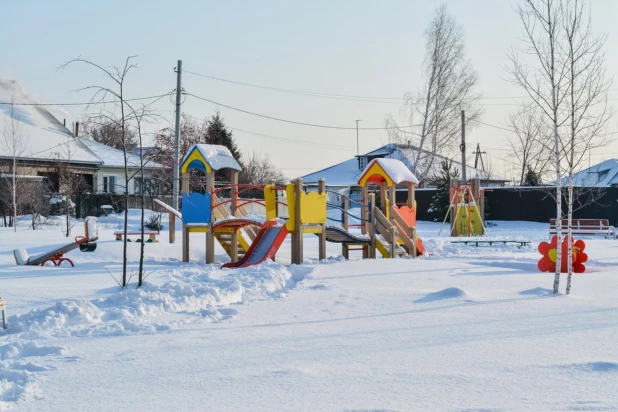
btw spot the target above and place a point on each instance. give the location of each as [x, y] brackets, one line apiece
[245, 235]
[225, 239]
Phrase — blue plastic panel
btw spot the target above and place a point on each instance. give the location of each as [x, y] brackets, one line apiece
[196, 208]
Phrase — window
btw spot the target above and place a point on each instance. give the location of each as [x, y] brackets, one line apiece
[362, 162]
[109, 184]
[138, 185]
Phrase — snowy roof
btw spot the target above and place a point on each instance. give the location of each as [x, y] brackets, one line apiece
[347, 173]
[112, 157]
[216, 156]
[604, 174]
[46, 138]
[394, 169]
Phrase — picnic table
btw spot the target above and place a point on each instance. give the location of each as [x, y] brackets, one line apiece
[152, 234]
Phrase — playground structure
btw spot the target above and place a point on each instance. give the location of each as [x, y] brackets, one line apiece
[86, 243]
[250, 239]
[466, 209]
[246, 239]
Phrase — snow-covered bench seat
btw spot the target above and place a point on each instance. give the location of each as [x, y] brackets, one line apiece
[590, 227]
[3, 308]
[152, 234]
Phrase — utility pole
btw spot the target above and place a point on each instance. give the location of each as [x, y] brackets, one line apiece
[357, 146]
[479, 155]
[463, 147]
[177, 136]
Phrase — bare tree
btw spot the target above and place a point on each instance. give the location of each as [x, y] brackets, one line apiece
[258, 170]
[108, 133]
[538, 69]
[588, 85]
[449, 88]
[531, 144]
[120, 115]
[15, 142]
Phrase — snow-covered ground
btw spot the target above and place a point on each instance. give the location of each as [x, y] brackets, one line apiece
[465, 329]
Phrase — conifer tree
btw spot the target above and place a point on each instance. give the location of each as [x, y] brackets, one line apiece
[440, 202]
[218, 133]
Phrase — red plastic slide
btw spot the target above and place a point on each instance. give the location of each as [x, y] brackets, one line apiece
[265, 245]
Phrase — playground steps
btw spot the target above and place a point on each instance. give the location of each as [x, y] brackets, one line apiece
[385, 248]
[225, 239]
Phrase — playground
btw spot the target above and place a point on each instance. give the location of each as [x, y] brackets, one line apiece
[322, 300]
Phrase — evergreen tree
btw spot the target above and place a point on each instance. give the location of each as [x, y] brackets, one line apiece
[532, 178]
[218, 133]
[440, 202]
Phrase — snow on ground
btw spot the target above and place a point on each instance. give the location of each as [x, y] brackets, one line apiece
[464, 329]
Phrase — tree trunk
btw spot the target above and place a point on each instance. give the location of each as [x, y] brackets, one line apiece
[14, 193]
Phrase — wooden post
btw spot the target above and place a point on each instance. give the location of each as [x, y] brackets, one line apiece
[365, 211]
[172, 227]
[480, 200]
[371, 226]
[454, 201]
[322, 234]
[233, 204]
[383, 197]
[411, 195]
[210, 236]
[297, 235]
[185, 243]
[185, 230]
[393, 241]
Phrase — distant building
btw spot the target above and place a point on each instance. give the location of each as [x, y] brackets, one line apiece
[49, 143]
[604, 174]
[343, 176]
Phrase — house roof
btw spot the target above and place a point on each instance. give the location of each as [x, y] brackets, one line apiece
[604, 174]
[112, 157]
[208, 157]
[46, 138]
[391, 171]
[347, 173]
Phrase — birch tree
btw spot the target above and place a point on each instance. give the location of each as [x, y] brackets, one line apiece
[587, 102]
[15, 142]
[538, 69]
[449, 88]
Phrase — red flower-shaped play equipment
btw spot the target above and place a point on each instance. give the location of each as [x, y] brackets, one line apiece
[549, 252]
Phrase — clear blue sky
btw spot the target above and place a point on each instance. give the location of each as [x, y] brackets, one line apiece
[364, 48]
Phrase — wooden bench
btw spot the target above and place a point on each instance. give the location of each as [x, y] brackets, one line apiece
[152, 234]
[491, 242]
[590, 227]
[3, 307]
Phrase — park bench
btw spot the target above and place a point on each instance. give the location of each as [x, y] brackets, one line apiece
[3, 307]
[152, 234]
[586, 227]
[491, 242]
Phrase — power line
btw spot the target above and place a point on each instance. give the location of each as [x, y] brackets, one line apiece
[283, 139]
[374, 99]
[86, 103]
[293, 121]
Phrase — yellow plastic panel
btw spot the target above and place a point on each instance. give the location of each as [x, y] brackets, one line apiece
[270, 199]
[312, 208]
[195, 155]
[461, 224]
[312, 229]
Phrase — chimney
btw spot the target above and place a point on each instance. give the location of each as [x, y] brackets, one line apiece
[76, 129]
[64, 122]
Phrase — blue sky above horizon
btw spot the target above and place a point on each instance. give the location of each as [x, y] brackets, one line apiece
[340, 47]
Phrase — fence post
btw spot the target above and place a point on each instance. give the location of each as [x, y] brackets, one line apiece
[322, 234]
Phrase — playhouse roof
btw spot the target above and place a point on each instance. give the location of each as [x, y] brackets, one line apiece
[391, 171]
[209, 157]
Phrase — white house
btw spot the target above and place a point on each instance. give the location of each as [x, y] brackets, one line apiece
[47, 142]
